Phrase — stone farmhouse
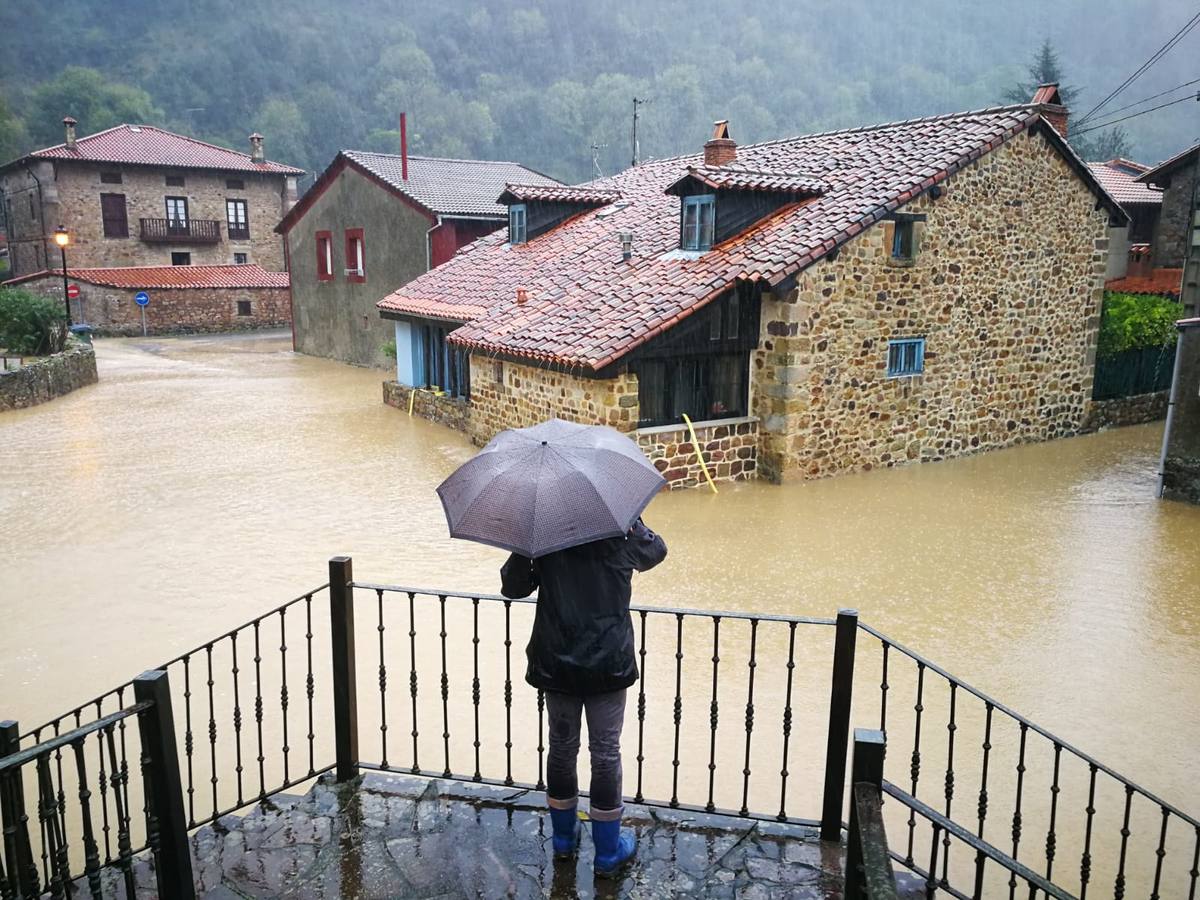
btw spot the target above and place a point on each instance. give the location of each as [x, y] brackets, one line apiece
[1129, 246]
[136, 195]
[821, 304]
[374, 221]
[183, 299]
[1176, 241]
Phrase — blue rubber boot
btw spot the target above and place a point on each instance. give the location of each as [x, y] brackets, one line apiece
[614, 847]
[566, 831]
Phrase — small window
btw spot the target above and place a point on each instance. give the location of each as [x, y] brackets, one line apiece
[243, 308]
[235, 184]
[237, 220]
[324, 256]
[181, 259]
[175, 181]
[516, 223]
[902, 240]
[240, 259]
[699, 222]
[110, 177]
[906, 357]
[355, 256]
[113, 216]
[714, 322]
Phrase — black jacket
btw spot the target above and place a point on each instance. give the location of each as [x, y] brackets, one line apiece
[582, 641]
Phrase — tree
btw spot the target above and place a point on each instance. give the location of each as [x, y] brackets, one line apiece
[1100, 146]
[12, 133]
[94, 100]
[1044, 68]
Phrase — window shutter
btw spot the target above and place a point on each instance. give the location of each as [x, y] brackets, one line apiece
[889, 237]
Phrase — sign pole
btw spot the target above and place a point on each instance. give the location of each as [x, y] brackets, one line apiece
[143, 321]
[142, 299]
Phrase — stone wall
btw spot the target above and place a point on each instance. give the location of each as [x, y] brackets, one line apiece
[1181, 469]
[510, 395]
[1006, 288]
[730, 451]
[69, 195]
[1120, 411]
[453, 412]
[48, 378]
[1171, 231]
[112, 311]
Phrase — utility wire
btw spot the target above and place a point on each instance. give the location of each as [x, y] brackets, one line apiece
[1075, 133]
[1158, 54]
[1113, 112]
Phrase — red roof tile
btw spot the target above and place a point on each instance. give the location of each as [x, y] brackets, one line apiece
[559, 193]
[1120, 178]
[1161, 281]
[170, 277]
[587, 307]
[743, 179]
[145, 145]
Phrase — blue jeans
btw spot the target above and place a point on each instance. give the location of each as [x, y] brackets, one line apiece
[605, 718]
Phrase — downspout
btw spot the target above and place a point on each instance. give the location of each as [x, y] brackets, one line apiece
[287, 265]
[1172, 398]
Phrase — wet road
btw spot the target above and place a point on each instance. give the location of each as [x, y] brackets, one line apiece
[205, 479]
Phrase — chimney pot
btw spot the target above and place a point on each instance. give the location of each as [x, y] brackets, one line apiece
[69, 124]
[256, 147]
[720, 148]
[1052, 108]
[522, 296]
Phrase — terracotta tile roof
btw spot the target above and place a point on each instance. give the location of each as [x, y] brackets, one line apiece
[563, 193]
[1159, 281]
[587, 307]
[1119, 178]
[145, 145]
[743, 179]
[170, 277]
[450, 187]
[1165, 168]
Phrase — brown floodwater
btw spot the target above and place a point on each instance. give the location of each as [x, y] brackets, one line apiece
[206, 479]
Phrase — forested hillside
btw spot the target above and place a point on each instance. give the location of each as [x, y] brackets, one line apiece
[542, 81]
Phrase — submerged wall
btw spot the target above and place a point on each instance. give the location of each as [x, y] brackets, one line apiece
[1181, 463]
[48, 378]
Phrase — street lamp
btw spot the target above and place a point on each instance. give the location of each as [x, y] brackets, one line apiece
[62, 237]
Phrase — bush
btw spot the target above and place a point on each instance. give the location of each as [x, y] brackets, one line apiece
[1137, 321]
[31, 324]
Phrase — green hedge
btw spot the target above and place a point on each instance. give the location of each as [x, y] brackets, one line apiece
[31, 324]
[1136, 322]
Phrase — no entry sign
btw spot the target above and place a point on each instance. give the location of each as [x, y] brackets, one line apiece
[72, 291]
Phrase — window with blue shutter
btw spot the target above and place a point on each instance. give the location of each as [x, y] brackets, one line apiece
[516, 223]
[699, 222]
[906, 357]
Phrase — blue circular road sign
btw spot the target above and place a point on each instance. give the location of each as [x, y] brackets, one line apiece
[141, 298]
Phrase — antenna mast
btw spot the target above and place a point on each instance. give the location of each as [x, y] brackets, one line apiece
[596, 148]
[634, 137]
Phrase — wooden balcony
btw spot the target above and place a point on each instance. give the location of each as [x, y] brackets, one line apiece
[174, 231]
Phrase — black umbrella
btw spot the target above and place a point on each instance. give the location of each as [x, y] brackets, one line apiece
[552, 486]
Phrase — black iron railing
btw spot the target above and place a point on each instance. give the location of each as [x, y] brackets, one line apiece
[187, 231]
[730, 717]
[869, 874]
[66, 862]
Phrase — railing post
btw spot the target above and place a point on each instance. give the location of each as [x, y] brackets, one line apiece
[866, 766]
[156, 726]
[22, 873]
[840, 696]
[345, 690]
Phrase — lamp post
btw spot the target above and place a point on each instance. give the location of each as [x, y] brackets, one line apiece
[62, 237]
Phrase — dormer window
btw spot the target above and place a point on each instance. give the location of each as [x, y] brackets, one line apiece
[516, 223]
[699, 221]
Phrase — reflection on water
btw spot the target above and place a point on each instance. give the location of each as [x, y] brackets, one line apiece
[205, 479]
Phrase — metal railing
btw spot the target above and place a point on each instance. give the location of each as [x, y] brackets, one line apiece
[730, 717]
[188, 231]
[869, 874]
[65, 865]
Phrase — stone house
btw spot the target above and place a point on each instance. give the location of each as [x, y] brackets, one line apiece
[1176, 242]
[372, 222]
[1129, 246]
[183, 299]
[136, 195]
[821, 304]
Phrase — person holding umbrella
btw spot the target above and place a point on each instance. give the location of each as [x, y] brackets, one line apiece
[566, 499]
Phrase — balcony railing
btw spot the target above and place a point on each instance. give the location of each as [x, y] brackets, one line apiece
[238, 232]
[182, 231]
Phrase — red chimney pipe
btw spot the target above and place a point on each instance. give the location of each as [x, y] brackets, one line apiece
[404, 146]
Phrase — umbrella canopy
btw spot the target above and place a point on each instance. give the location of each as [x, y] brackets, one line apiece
[555, 485]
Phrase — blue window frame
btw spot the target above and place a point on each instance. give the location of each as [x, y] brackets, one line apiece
[516, 223]
[699, 222]
[906, 357]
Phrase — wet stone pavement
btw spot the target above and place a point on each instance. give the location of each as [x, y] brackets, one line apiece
[401, 837]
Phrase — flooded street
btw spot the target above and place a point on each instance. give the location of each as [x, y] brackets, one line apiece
[204, 480]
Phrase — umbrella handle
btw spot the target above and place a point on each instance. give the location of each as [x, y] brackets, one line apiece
[699, 455]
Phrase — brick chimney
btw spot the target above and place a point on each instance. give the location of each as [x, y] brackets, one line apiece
[69, 123]
[404, 146]
[256, 147]
[720, 149]
[1053, 111]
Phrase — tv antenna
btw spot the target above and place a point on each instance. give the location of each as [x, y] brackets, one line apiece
[634, 136]
[596, 148]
